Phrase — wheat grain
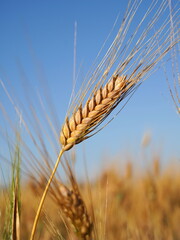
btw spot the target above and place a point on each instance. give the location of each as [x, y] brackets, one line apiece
[95, 110]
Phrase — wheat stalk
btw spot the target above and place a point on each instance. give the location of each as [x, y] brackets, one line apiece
[44, 195]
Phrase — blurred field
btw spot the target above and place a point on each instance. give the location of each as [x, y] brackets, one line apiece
[126, 206]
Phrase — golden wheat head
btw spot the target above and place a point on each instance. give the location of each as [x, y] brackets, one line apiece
[95, 110]
[73, 207]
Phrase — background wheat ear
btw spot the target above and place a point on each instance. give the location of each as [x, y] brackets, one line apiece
[73, 207]
[96, 109]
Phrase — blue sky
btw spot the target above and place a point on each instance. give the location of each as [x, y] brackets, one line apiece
[37, 40]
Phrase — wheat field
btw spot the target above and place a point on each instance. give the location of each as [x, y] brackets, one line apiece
[126, 205]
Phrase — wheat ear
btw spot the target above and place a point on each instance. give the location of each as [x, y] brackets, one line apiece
[73, 208]
[95, 110]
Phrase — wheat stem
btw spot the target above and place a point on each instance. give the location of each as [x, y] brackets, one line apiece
[44, 195]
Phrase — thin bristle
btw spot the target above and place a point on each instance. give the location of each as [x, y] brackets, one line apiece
[135, 52]
[95, 110]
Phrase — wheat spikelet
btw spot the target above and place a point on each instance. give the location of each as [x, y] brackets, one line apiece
[95, 110]
[73, 207]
